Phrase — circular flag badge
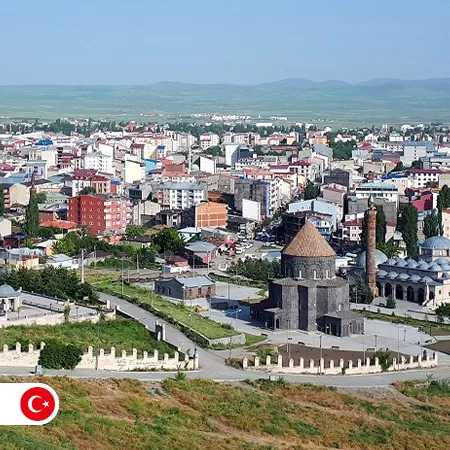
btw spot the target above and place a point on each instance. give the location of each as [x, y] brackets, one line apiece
[38, 403]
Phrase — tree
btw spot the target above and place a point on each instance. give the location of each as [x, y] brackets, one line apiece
[168, 240]
[255, 269]
[443, 310]
[390, 302]
[415, 164]
[431, 225]
[41, 197]
[87, 191]
[310, 191]
[380, 227]
[409, 219]
[58, 355]
[134, 231]
[443, 202]
[389, 249]
[215, 150]
[361, 293]
[31, 226]
[2, 200]
[399, 167]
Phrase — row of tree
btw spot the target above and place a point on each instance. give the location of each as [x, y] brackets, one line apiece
[255, 269]
[62, 283]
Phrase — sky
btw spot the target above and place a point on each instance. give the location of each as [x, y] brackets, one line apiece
[113, 42]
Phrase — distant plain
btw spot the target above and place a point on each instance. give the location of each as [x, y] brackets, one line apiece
[370, 103]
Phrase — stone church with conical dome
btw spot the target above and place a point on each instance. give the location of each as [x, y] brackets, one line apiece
[308, 295]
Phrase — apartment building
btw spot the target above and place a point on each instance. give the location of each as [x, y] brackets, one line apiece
[208, 140]
[379, 190]
[181, 195]
[100, 162]
[99, 213]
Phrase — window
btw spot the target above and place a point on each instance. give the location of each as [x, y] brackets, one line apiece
[315, 274]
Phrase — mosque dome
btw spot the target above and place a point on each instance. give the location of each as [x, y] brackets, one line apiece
[427, 280]
[423, 266]
[436, 243]
[441, 261]
[7, 291]
[403, 276]
[392, 275]
[415, 278]
[391, 262]
[435, 268]
[446, 276]
[401, 263]
[380, 258]
[382, 273]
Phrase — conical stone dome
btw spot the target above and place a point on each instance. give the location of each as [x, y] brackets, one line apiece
[309, 243]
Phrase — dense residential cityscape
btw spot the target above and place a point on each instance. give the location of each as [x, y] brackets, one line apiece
[225, 225]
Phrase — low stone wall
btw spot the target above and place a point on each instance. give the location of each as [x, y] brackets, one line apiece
[102, 360]
[340, 368]
[235, 340]
[10, 319]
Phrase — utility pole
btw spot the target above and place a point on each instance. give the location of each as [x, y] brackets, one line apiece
[137, 263]
[82, 265]
[398, 348]
[121, 275]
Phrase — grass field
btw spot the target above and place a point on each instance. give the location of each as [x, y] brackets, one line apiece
[207, 327]
[432, 328]
[123, 334]
[203, 415]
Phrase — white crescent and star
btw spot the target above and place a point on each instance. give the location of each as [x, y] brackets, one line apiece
[30, 404]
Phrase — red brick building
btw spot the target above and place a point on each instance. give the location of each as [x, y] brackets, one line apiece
[99, 213]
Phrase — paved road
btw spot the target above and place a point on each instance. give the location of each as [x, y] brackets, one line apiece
[213, 367]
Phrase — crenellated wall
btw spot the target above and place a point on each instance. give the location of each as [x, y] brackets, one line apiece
[340, 368]
[102, 360]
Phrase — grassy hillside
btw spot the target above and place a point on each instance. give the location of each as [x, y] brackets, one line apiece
[376, 101]
[123, 334]
[200, 414]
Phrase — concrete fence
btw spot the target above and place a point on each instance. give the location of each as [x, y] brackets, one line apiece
[340, 367]
[101, 360]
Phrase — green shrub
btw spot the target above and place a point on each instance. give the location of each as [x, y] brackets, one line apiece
[267, 350]
[390, 302]
[383, 359]
[57, 355]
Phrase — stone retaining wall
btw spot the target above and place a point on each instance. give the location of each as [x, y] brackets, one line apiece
[10, 319]
[102, 361]
[340, 367]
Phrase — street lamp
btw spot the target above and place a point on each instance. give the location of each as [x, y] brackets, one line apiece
[321, 354]
[398, 348]
[287, 335]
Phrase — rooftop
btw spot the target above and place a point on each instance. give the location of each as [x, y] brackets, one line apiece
[309, 243]
[195, 281]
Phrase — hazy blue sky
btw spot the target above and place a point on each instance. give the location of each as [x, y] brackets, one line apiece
[214, 41]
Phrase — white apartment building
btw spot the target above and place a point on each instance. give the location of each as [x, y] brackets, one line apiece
[208, 140]
[48, 154]
[100, 162]
[419, 178]
[181, 195]
[378, 190]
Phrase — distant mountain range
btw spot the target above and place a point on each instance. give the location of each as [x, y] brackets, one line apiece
[373, 102]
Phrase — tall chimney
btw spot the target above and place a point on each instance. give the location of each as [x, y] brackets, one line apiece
[371, 234]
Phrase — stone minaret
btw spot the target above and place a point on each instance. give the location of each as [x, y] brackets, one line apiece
[371, 234]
